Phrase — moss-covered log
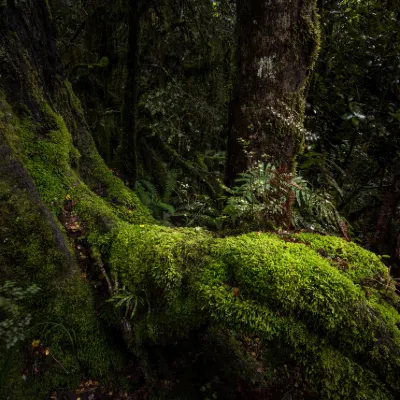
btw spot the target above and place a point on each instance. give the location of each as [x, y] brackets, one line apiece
[328, 301]
[320, 305]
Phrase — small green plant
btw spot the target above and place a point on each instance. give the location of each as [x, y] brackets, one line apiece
[261, 198]
[314, 210]
[49, 326]
[151, 198]
[198, 209]
[264, 196]
[14, 320]
[130, 302]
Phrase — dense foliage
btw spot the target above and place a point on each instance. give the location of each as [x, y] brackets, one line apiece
[136, 263]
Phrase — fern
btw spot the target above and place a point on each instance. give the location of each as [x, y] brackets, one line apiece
[150, 197]
[170, 185]
[264, 195]
[260, 198]
[151, 189]
[314, 210]
[200, 210]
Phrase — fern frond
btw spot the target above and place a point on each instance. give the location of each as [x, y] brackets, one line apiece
[165, 207]
[151, 189]
[170, 185]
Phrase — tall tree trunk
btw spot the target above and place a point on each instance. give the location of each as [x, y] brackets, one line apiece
[277, 44]
[391, 198]
[130, 104]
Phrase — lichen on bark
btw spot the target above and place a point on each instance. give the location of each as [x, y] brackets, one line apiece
[278, 43]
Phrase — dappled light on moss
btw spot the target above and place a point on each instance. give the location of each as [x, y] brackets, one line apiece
[287, 292]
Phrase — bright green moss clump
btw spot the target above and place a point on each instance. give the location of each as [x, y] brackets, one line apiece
[359, 264]
[347, 342]
[161, 265]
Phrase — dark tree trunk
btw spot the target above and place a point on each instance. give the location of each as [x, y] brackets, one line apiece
[387, 212]
[128, 148]
[391, 198]
[277, 44]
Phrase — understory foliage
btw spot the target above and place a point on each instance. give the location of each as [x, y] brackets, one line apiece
[14, 321]
[353, 116]
[264, 197]
[156, 203]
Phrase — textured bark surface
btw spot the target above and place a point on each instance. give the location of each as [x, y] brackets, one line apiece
[387, 212]
[47, 157]
[16, 83]
[277, 45]
[28, 23]
[130, 104]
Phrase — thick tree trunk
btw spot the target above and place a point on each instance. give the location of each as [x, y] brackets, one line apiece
[277, 44]
[48, 165]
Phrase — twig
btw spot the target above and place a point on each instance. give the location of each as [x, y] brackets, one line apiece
[58, 362]
[99, 263]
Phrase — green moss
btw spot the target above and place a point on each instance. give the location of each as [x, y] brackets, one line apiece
[285, 292]
[103, 63]
[361, 266]
[310, 31]
[32, 252]
[54, 163]
[162, 267]
[29, 255]
[49, 10]
[361, 263]
[72, 98]
[124, 203]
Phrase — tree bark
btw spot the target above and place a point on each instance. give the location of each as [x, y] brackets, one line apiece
[388, 210]
[277, 44]
[128, 148]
